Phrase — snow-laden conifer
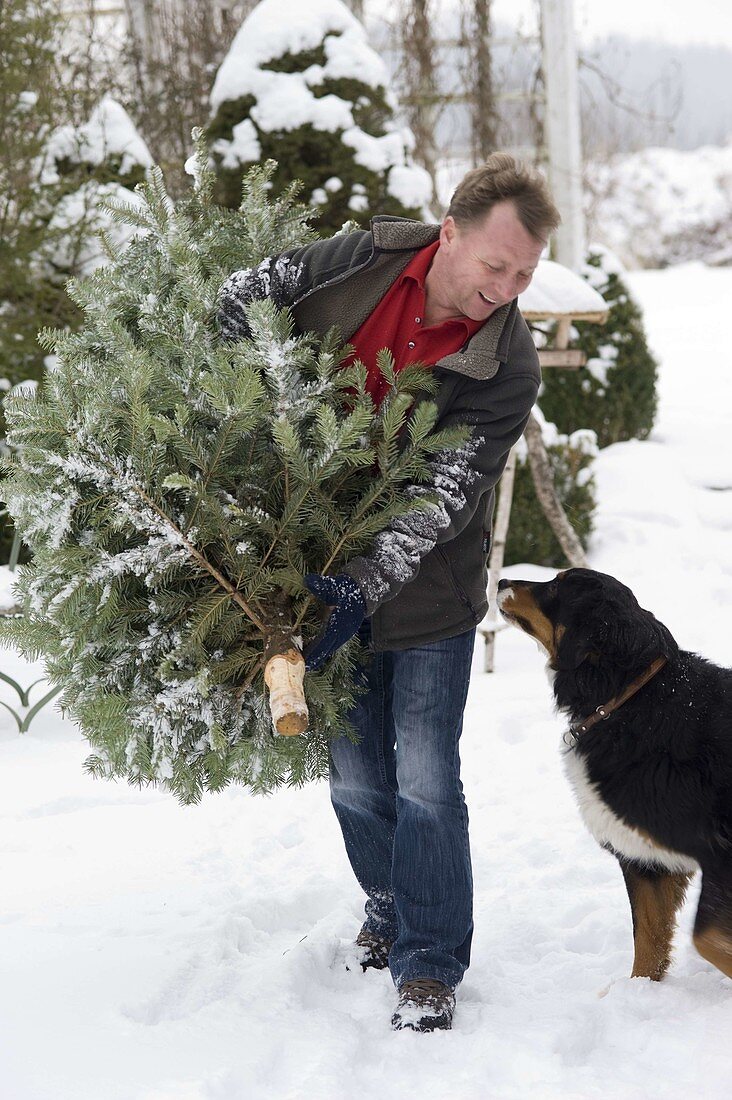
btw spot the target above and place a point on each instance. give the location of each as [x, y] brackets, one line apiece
[174, 488]
[301, 84]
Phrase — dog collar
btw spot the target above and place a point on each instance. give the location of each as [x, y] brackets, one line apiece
[606, 709]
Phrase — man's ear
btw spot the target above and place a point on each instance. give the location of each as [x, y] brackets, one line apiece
[448, 231]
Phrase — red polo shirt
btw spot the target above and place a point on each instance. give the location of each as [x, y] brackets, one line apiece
[397, 324]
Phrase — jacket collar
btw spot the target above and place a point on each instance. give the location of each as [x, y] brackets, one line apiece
[401, 234]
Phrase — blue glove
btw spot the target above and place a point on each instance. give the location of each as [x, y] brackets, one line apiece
[349, 611]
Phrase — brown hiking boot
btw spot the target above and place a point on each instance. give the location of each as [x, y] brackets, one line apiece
[424, 1005]
[374, 950]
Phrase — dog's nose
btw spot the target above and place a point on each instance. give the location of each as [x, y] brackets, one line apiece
[503, 584]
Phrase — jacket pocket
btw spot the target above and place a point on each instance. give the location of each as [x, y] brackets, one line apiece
[454, 583]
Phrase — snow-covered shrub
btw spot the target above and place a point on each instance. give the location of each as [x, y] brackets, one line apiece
[93, 164]
[302, 86]
[530, 538]
[615, 393]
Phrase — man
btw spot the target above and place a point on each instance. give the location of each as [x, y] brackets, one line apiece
[444, 296]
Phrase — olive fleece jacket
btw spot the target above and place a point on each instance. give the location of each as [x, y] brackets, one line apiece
[425, 577]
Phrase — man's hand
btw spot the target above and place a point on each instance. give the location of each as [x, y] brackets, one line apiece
[343, 594]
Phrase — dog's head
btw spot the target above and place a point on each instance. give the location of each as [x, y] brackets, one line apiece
[584, 616]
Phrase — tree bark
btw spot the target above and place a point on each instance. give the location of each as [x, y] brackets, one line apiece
[421, 99]
[484, 111]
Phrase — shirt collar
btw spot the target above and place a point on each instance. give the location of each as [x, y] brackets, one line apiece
[419, 265]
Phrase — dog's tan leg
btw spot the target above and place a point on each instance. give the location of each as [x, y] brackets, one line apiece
[655, 899]
[713, 925]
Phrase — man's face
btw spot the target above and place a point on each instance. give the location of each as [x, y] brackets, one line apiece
[486, 263]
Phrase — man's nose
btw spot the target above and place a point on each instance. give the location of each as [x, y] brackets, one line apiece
[506, 287]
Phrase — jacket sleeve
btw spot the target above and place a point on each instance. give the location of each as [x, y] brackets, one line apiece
[460, 479]
[276, 277]
[286, 277]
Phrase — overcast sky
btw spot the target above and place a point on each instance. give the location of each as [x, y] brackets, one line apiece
[676, 21]
[682, 21]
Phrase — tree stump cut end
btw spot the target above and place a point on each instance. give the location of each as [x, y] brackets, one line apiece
[284, 674]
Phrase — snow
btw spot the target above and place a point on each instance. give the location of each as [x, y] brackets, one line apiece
[276, 27]
[110, 132]
[76, 221]
[410, 185]
[645, 201]
[154, 952]
[244, 147]
[556, 289]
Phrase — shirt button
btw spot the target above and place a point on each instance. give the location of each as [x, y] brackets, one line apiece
[418, 320]
[410, 344]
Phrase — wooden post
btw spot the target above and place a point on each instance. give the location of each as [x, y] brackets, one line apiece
[498, 550]
[562, 127]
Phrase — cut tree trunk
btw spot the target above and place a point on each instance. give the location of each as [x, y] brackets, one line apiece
[284, 672]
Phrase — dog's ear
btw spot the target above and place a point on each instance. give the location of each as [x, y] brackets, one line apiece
[636, 639]
[578, 643]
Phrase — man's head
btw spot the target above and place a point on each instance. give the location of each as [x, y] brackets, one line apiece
[492, 237]
[504, 179]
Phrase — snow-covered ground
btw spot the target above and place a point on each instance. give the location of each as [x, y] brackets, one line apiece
[150, 952]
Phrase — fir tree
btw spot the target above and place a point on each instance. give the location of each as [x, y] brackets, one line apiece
[301, 85]
[174, 489]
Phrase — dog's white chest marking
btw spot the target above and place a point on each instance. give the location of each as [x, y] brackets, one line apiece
[607, 828]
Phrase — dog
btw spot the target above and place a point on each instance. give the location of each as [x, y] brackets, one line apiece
[648, 752]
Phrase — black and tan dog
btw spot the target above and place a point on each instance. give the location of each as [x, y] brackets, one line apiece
[648, 752]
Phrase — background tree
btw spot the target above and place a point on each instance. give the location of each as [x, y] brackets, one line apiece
[171, 53]
[419, 80]
[301, 85]
[615, 393]
[478, 33]
[99, 161]
[31, 102]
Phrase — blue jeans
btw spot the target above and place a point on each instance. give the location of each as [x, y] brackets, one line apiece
[399, 800]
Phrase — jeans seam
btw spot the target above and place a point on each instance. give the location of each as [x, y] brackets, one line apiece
[382, 710]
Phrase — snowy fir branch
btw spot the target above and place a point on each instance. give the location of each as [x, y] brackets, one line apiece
[174, 487]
